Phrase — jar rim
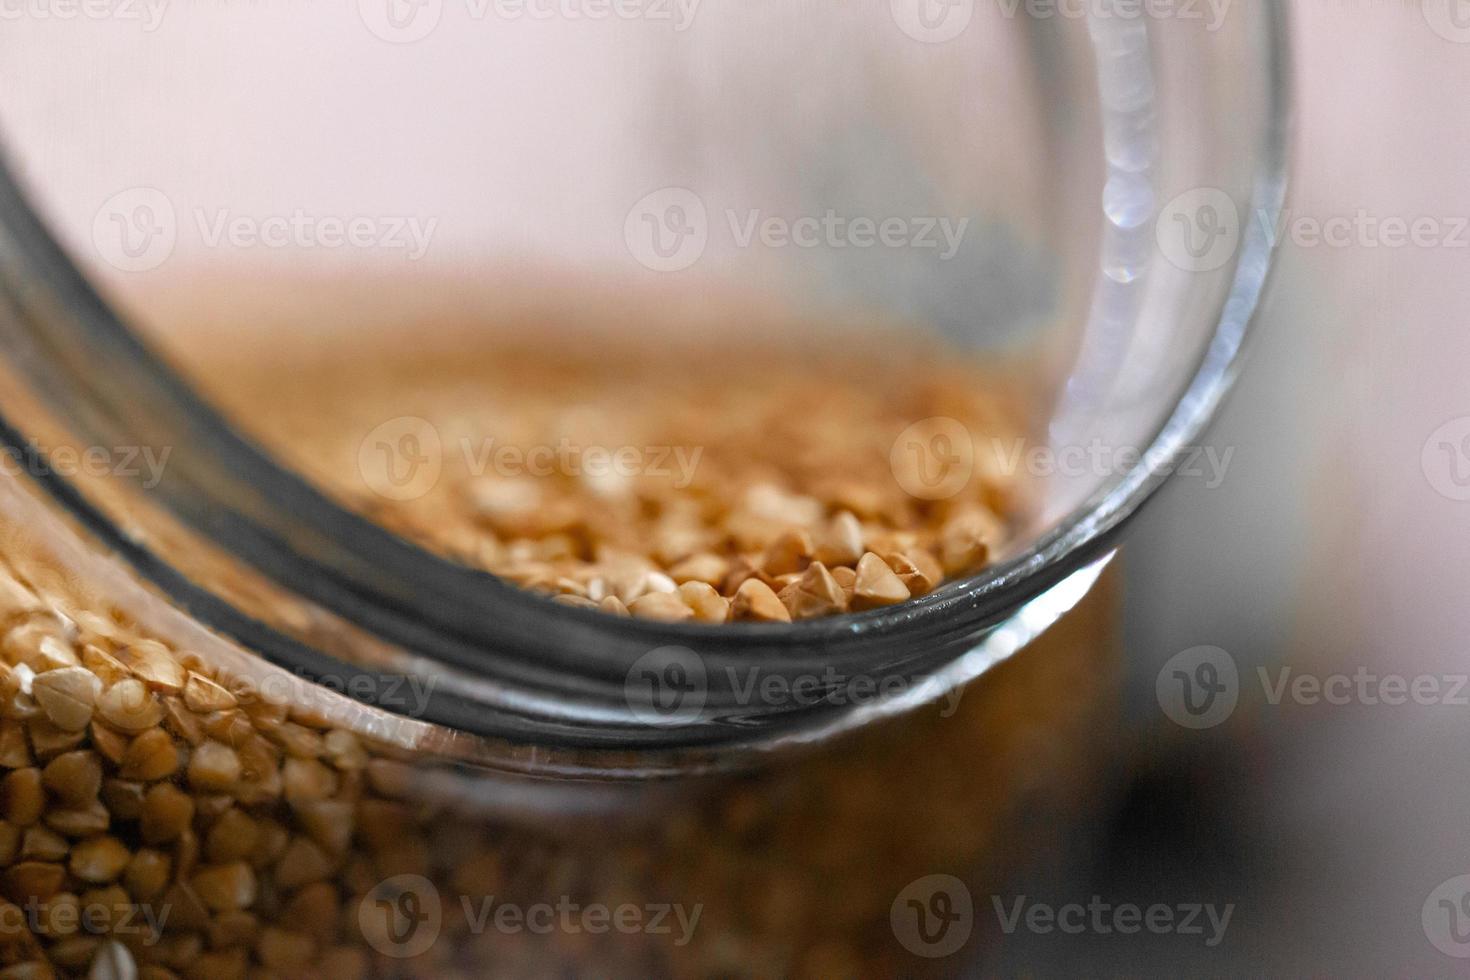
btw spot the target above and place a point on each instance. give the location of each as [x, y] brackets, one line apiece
[532, 650]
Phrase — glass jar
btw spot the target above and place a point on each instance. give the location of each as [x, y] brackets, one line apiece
[251, 730]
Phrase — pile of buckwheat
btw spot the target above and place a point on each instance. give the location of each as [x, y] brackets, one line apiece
[161, 819]
[153, 824]
[754, 484]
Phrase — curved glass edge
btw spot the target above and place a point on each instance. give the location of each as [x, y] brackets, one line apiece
[961, 611]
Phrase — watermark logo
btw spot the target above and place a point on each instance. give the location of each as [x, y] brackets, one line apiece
[401, 916]
[1445, 459]
[933, 459]
[401, 21]
[1450, 19]
[667, 686]
[933, 916]
[932, 21]
[1446, 917]
[135, 229]
[1199, 230]
[1199, 687]
[667, 230]
[402, 458]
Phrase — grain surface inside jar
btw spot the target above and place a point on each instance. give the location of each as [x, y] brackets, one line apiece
[608, 474]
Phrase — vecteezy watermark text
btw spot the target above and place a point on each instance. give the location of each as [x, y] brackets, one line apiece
[409, 234]
[407, 21]
[669, 229]
[674, 919]
[402, 916]
[404, 694]
[671, 686]
[938, 21]
[1102, 918]
[137, 229]
[935, 459]
[147, 14]
[143, 463]
[1201, 230]
[403, 458]
[838, 231]
[1200, 687]
[1211, 13]
[567, 458]
[934, 916]
[1098, 458]
[64, 915]
[1365, 229]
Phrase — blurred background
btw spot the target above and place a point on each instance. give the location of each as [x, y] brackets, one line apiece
[1335, 542]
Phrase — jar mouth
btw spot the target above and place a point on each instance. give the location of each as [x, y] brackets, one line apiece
[525, 659]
